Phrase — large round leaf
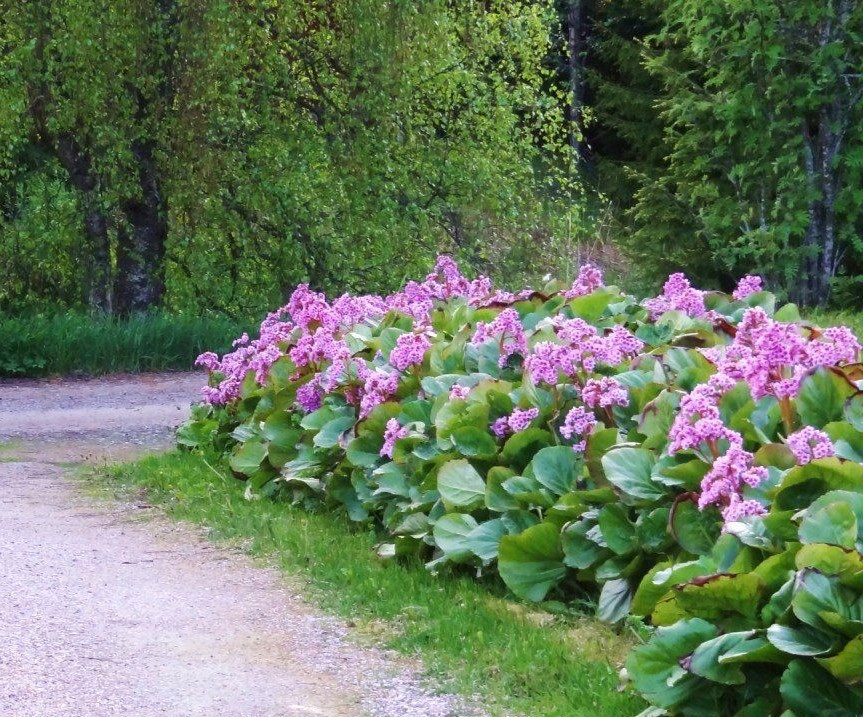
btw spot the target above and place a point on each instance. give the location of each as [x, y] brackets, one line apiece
[531, 563]
[810, 691]
[248, 458]
[451, 535]
[557, 468]
[460, 484]
[655, 667]
[630, 469]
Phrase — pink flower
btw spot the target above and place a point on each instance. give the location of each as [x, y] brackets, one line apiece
[208, 360]
[578, 422]
[589, 279]
[379, 387]
[317, 348]
[458, 391]
[310, 396]
[678, 295]
[520, 419]
[810, 444]
[517, 421]
[727, 476]
[500, 427]
[409, 350]
[747, 286]
[773, 357]
[604, 392]
[507, 330]
[739, 508]
[548, 360]
[394, 432]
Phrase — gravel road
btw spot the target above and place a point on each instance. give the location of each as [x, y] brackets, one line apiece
[109, 609]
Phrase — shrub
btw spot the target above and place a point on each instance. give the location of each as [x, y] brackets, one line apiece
[692, 459]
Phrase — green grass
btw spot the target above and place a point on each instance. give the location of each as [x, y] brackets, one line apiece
[75, 343]
[470, 636]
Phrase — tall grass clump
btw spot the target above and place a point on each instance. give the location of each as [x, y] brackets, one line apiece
[91, 344]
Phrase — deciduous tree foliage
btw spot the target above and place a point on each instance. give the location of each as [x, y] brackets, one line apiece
[210, 153]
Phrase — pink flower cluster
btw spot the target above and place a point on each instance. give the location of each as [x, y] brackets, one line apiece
[578, 422]
[699, 427]
[256, 356]
[810, 444]
[585, 347]
[314, 336]
[517, 421]
[698, 421]
[677, 295]
[459, 391]
[314, 349]
[379, 387]
[773, 357]
[589, 279]
[724, 483]
[409, 350]
[447, 281]
[394, 432]
[604, 392]
[506, 297]
[507, 330]
[747, 286]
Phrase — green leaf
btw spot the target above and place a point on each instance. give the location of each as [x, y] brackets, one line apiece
[630, 469]
[484, 540]
[496, 498]
[802, 641]
[520, 448]
[617, 530]
[248, 458]
[695, 530]
[472, 441]
[531, 563]
[557, 468]
[580, 550]
[846, 564]
[707, 661]
[822, 602]
[847, 666]
[655, 667]
[810, 691]
[332, 431]
[854, 410]
[802, 485]
[717, 595]
[451, 535]
[822, 397]
[834, 524]
[614, 600]
[459, 484]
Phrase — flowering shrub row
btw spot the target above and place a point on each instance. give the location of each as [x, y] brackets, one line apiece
[694, 459]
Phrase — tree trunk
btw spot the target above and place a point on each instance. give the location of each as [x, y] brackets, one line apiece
[574, 41]
[141, 242]
[77, 165]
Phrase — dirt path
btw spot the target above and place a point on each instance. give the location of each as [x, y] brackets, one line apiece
[103, 613]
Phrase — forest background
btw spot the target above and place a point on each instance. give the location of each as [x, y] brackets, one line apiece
[205, 156]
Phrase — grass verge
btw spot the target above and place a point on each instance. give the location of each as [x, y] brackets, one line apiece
[470, 637]
[93, 344]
